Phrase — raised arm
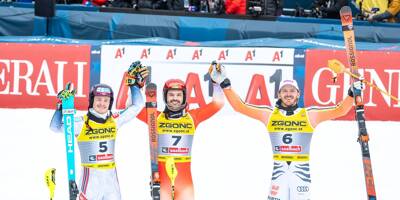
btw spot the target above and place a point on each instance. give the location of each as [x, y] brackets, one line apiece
[133, 110]
[318, 115]
[135, 79]
[56, 123]
[142, 116]
[218, 74]
[203, 113]
[260, 113]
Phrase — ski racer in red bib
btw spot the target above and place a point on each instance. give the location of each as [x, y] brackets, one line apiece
[176, 127]
[96, 134]
[290, 130]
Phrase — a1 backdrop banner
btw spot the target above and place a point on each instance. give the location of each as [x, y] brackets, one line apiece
[382, 68]
[31, 75]
[255, 73]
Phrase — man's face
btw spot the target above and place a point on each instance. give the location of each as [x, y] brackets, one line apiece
[101, 103]
[289, 95]
[174, 99]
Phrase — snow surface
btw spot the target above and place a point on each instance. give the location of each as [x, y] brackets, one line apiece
[231, 159]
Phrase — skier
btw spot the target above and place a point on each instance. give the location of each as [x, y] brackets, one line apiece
[96, 133]
[290, 129]
[176, 126]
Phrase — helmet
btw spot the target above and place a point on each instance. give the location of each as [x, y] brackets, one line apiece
[289, 82]
[101, 90]
[174, 84]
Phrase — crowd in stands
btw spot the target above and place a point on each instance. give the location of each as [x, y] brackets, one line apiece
[388, 10]
[371, 10]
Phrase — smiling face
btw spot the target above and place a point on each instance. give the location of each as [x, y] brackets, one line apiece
[289, 95]
[174, 99]
[101, 104]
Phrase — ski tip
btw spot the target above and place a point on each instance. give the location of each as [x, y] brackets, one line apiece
[151, 88]
[50, 175]
[68, 86]
[346, 15]
[345, 9]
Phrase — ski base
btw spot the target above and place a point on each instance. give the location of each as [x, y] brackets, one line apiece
[151, 108]
[155, 191]
[73, 190]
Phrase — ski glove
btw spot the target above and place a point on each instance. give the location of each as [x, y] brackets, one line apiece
[137, 74]
[357, 86]
[65, 94]
[217, 73]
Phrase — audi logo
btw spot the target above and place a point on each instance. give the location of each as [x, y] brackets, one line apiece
[302, 189]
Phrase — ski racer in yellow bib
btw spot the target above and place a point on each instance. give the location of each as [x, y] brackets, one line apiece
[290, 130]
[176, 126]
[175, 137]
[291, 135]
[96, 133]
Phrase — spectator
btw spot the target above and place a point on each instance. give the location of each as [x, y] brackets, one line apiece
[95, 2]
[391, 14]
[217, 6]
[235, 7]
[368, 7]
[330, 8]
[173, 4]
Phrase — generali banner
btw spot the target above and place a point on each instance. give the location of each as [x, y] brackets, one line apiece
[382, 68]
[31, 75]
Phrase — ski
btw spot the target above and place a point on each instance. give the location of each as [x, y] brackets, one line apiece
[50, 179]
[363, 138]
[151, 110]
[68, 111]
